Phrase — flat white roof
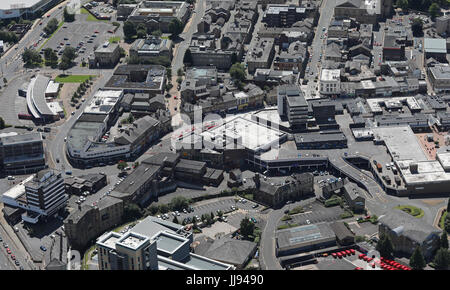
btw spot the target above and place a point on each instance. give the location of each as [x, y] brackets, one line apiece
[14, 4]
[103, 101]
[330, 74]
[250, 134]
[52, 88]
[55, 107]
[18, 190]
[444, 159]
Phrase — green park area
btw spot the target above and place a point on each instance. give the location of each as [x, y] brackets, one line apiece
[73, 78]
[412, 210]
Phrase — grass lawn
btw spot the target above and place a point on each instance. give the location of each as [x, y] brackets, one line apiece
[73, 78]
[412, 210]
[90, 17]
[59, 26]
[282, 227]
[115, 39]
[441, 222]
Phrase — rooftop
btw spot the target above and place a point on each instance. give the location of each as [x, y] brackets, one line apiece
[306, 234]
[435, 45]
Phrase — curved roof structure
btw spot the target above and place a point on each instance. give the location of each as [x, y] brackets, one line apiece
[36, 97]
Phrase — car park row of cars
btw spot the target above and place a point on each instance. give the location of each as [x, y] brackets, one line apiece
[9, 252]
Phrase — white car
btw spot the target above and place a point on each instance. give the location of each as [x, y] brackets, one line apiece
[308, 222]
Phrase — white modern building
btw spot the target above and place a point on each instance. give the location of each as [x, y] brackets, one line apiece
[45, 195]
[330, 82]
[24, 8]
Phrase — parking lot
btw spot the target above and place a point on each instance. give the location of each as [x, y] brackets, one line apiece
[224, 205]
[315, 212]
[83, 35]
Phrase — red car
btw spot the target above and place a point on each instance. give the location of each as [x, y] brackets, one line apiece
[334, 255]
[48, 15]
[353, 251]
[110, 31]
[8, 250]
[339, 255]
[358, 268]
[348, 252]
[174, 97]
[13, 257]
[361, 256]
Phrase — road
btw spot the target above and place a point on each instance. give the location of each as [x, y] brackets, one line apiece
[318, 46]
[177, 60]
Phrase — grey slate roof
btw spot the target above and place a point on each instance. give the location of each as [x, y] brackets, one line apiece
[230, 250]
[407, 225]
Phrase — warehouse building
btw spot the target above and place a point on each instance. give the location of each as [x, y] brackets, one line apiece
[304, 239]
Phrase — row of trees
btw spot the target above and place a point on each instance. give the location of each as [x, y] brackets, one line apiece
[8, 36]
[32, 58]
[431, 6]
[131, 30]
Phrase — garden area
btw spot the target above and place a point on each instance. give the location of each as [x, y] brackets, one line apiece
[412, 210]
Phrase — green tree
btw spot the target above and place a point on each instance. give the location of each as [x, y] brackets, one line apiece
[31, 58]
[208, 219]
[131, 211]
[130, 118]
[447, 223]
[153, 209]
[442, 259]
[175, 27]
[121, 165]
[246, 227]
[51, 59]
[163, 208]
[179, 203]
[384, 246]
[129, 30]
[141, 33]
[179, 80]
[444, 240]
[417, 27]
[448, 205]
[157, 33]
[402, 4]
[434, 10]
[51, 27]
[68, 17]
[417, 261]
[212, 215]
[220, 213]
[180, 72]
[67, 58]
[237, 72]
[169, 73]
[2, 123]
[187, 56]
